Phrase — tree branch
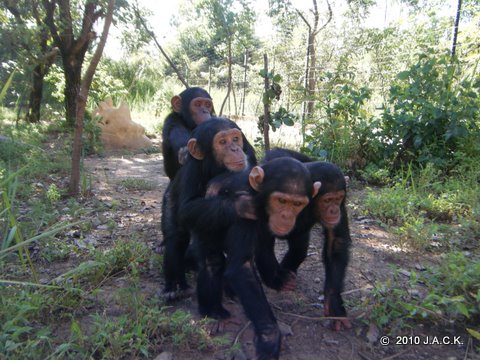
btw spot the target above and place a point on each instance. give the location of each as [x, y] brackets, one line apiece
[152, 35]
[330, 16]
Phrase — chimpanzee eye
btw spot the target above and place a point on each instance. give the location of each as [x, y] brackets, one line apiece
[282, 201]
[222, 141]
[236, 139]
[297, 203]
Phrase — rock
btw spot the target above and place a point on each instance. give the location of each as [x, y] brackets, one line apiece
[164, 356]
[118, 129]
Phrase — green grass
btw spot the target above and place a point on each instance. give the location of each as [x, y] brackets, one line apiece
[441, 295]
[137, 184]
[425, 205]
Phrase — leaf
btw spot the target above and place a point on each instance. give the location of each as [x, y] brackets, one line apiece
[263, 73]
[403, 75]
[462, 309]
[277, 78]
[7, 84]
[474, 333]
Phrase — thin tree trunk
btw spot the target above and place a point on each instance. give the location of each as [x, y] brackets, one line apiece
[82, 102]
[455, 29]
[245, 63]
[229, 76]
[266, 107]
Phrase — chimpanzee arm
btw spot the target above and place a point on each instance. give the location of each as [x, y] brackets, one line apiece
[297, 250]
[336, 257]
[217, 210]
[208, 214]
[241, 278]
[178, 136]
[272, 274]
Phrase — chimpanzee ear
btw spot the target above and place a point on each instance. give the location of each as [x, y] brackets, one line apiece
[256, 177]
[316, 187]
[176, 103]
[194, 149]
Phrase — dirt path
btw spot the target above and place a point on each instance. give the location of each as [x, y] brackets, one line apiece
[373, 253]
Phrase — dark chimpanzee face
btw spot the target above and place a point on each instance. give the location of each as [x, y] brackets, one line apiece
[327, 208]
[285, 189]
[194, 104]
[201, 109]
[228, 149]
[283, 209]
[221, 143]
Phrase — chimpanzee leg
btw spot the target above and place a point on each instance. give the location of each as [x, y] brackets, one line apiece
[241, 276]
[176, 240]
[174, 260]
[336, 257]
[210, 281]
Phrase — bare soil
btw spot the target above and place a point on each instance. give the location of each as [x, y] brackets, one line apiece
[373, 254]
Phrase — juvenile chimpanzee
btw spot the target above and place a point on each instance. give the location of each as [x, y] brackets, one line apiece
[216, 146]
[328, 209]
[189, 109]
[225, 234]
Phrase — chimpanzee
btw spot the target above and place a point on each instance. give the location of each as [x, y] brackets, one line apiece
[192, 107]
[216, 146]
[328, 209]
[226, 230]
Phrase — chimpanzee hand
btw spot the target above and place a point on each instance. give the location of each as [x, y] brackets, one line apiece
[244, 206]
[182, 155]
[290, 283]
[333, 307]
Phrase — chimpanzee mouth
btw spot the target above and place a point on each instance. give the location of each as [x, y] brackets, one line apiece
[282, 230]
[331, 221]
[237, 166]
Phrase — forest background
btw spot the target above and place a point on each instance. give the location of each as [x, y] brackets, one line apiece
[388, 90]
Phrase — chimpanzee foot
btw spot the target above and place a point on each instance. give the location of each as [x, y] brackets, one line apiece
[219, 326]
[343, 322]
[172, 295]
[268, 344]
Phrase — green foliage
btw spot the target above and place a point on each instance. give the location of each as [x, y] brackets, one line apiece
[434, 113]
[281, 116]
[375, 175]
[341, 136]
[443, 294]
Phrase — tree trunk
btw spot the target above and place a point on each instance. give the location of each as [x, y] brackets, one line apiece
[73, 73]
[266, 107]
[455, 29]
[229, 85]
[38, 76]
[311, 80]
[82, 102]
[36, 94]
[244, 85]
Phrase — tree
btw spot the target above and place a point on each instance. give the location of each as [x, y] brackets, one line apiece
[33, 48]
[81, 101]
[311, 63]
[73, 34]
[228, 24]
